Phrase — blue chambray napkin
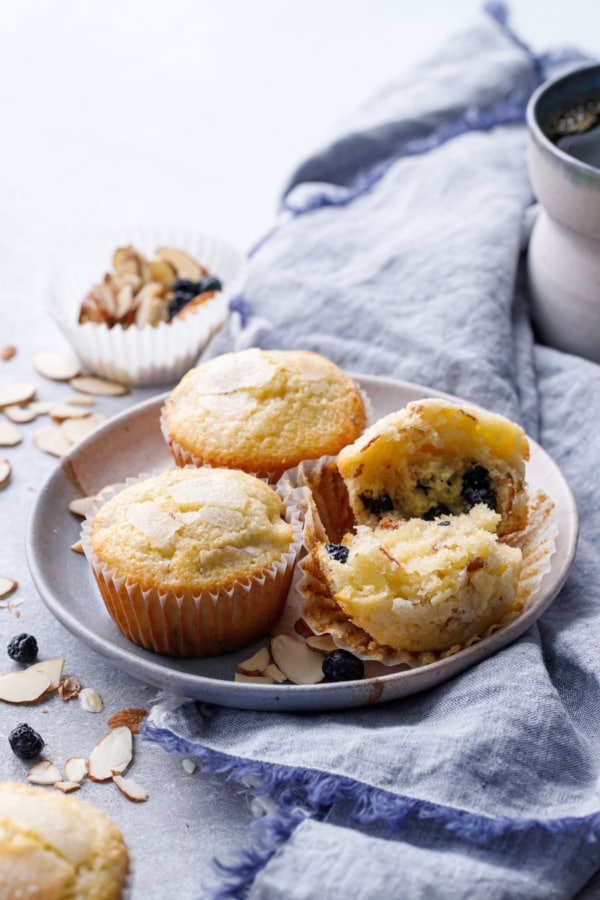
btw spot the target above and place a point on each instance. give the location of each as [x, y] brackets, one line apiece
[399, 252]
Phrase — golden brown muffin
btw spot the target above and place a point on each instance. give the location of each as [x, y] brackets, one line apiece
[420, 585]
[55, 847]
[437, 457]
[262, 411]
[192, 562]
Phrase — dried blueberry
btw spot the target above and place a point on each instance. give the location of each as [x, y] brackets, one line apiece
[434, 512]
[477, 487]
[210, 283]
[185, 286]
[340, 665]
[23, 648]
[339, 552]
[25, 742]
[378, 505]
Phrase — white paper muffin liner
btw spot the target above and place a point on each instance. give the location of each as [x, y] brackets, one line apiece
[186, 624]
[310, 602]
[158, 354]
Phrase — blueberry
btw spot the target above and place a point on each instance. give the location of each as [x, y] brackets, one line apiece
[185, 286]
[25, 742]
[177, 303]
[339, 552]
[382, 503]
[340, 665]
[23, 648]
[434, 512]
[210, 283]
[477, 487]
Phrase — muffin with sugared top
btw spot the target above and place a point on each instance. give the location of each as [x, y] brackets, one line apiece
[193, 561]
[262, 411]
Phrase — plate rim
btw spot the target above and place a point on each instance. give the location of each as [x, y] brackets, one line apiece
[290, 697]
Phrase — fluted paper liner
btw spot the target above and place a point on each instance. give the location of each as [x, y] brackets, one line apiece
[318, 488]
[188, 624]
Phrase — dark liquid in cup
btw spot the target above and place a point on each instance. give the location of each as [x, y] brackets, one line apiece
[577, 132]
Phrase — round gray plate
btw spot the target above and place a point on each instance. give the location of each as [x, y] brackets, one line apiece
[132, 443]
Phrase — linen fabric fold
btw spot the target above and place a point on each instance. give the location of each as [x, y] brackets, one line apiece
[400, 253]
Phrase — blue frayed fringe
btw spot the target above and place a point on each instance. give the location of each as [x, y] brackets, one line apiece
[302, 793]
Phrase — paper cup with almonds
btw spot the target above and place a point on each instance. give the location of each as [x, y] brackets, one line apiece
[140, 308]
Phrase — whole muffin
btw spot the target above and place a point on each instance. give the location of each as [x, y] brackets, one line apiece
[420, 585]
[54, 846]
[262, 411]
[193, 562]
[435, 457]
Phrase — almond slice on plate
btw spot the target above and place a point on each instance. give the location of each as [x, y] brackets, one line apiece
[44, 772]
[7, 352]
[90, 384]
[76, 769]
[9, 435]
[26, 686]
[132, 717]
[7, 586]
[16, 394]
[130, 788]
[274, 673]
[20, 415]
[41, 407]
[61, 411]
[256, 664]
[52, 668]
[56, 366]
[299, 663]
[80, 400]
[81, 505]
[67, 787]
[112, 754]
[52, 440]
[77, 547]
[91, 700]
[5, 472]
[322, 642]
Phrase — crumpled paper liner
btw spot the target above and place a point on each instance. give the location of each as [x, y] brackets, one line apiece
[320, 493]
[188, 624]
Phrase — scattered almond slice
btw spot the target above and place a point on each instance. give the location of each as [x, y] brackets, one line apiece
[112, 754]
[90, 384]
[77, 547]
[322, 642]
[80, 400]
[26, 686]
[130, 788]
[61, 411]
[52, 668]
[256, 664]
[5, 472]
[189, 766]
[7, 352]
[81, 505]
[132, 717]
[253, 679]
[299, 663]
[76, 769]
[16, 394]
[56, 366]
[41, 407]
[9, 435]
[44, 772]
[91, 700]
[67, 787]
[52, 440]
[68, 687]
[20, 415]
[7, 586]
[274, 672]
[76, 430]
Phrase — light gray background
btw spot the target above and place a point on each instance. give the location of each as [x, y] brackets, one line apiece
[119, 114]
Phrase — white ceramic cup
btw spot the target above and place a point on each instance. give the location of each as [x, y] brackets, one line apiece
[563, 263]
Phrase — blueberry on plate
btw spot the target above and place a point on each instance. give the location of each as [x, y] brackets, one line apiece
[23, 648]
[341, 665]
[25, 742]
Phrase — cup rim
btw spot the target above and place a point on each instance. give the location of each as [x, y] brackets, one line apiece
[535, 129]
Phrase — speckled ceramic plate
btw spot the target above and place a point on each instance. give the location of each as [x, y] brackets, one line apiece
[132, 443]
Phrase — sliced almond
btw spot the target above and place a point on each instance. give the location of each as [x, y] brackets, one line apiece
[132, 717]
[56, 366]
[7, 586]
[44, 772]
[252, 679]
[162, 271]
[5, 472]
[189, 766]
[90, 384]
[20, 415]
[9, 435]
[26, 686]
[274, 672]
[80, 400]
[81, 505]
[16, 394]
[256, 664]
[76, 430]
[67, 787]
[299, 663]
[68, 687]
[51, 668]
[41, 407]
[91, 700]
[7, 352]
[76, 769]
[52, 440]
[130, 788]
[182, 262]
[61, 411]
[112, 754]
[77, 547]
[322, 642]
